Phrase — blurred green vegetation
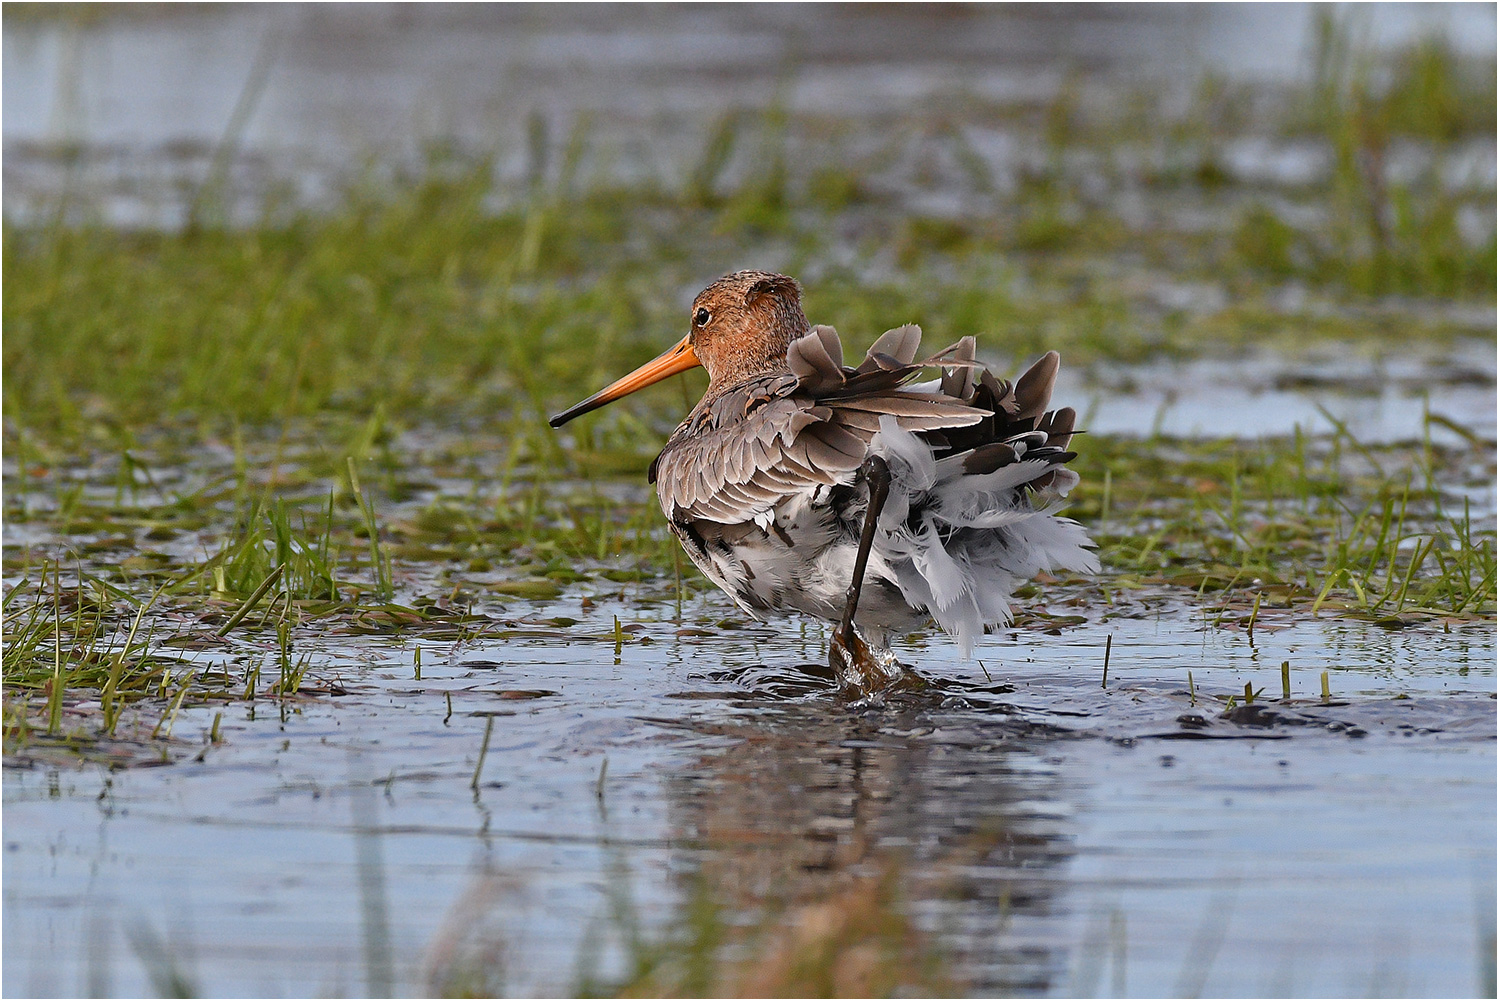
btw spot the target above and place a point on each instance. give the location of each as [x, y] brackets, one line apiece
[450, 295]
[1382, 235]
[857, 942]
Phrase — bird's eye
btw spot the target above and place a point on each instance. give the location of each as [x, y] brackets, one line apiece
[701, 317]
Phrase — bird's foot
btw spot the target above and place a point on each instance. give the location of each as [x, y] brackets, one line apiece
[863, 670]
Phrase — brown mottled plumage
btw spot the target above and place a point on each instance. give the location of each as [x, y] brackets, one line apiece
[764, 482]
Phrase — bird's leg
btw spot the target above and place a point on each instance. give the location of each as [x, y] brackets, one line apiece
[878, 477]
[847, 653]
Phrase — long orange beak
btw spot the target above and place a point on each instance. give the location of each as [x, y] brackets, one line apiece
[679, 358]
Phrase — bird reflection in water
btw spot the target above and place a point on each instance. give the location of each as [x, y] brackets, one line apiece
[819, 851]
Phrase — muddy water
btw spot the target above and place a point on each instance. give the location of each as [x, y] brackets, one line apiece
[1055, 832]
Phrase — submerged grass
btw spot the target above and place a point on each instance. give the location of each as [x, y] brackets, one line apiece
[102, 650]
[1305, 524]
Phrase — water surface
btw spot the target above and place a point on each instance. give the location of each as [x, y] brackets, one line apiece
[1056, 833]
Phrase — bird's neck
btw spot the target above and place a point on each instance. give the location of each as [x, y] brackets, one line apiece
[745, 360]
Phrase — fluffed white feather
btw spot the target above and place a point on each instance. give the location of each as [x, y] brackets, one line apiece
[976, 537]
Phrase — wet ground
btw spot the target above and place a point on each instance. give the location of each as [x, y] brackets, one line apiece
[515, 779]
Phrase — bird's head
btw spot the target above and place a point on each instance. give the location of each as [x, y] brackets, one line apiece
[738, 327]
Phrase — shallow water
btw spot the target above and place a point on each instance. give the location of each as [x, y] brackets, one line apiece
[1052, 830]
[1384, 399]
[289, 100]
[1055, 832]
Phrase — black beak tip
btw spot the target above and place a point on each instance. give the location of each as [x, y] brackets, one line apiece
[558, 420]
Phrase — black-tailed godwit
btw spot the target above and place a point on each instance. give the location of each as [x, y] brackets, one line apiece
[855, 495]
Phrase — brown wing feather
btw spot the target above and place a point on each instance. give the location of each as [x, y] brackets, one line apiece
[738, 454]
[1034, 388]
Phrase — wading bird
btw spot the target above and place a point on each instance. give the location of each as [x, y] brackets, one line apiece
[856, 495]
